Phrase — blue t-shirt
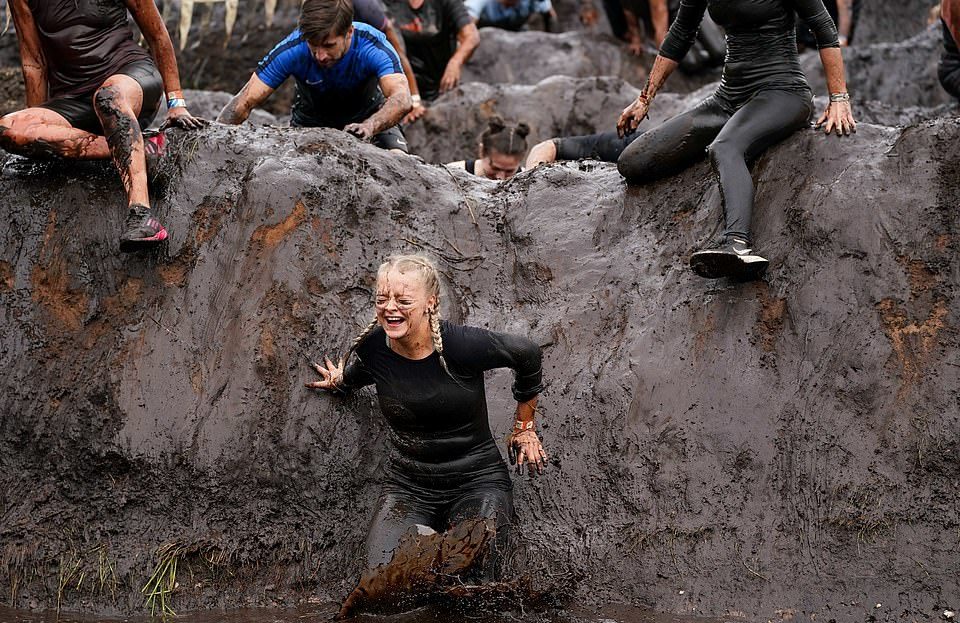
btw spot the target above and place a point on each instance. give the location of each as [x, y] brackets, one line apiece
[346, 92]
[493, 13]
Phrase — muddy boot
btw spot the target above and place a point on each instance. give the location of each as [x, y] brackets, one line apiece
[733, 257]
[143, 230]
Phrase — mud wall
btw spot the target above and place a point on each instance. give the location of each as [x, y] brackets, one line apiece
[776, 448]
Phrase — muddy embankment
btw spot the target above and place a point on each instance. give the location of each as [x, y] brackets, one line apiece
[786, 446]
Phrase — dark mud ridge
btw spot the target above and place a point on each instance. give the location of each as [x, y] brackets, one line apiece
[775, 449]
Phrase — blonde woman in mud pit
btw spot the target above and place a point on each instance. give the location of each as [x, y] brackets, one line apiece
[443, 465]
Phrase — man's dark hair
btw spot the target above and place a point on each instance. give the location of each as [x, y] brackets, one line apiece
[321, 18]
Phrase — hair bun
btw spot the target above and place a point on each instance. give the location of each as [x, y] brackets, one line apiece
[522, 130]
[496, 124]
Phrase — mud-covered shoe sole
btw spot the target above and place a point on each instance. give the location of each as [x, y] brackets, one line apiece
[711, 264]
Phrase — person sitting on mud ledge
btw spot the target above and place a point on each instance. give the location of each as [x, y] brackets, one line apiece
[443, 465]
[948, 69]
[502, 148]
[763, 98]
[90, 89]
[348, 77]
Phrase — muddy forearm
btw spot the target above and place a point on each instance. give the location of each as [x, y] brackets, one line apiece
[163, 52]
[661, 70]
[526, 411]
[35, 83]
[392, 111]
[236, 111]
[832, 60]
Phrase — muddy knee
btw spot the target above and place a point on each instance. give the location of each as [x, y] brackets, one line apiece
[721, 151]
[109, 101]
[636, 166]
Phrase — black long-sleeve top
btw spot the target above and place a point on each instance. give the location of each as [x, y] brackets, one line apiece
[439, 430]
[761, 43]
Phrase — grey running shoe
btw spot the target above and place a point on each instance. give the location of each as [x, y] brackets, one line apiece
[731, 258]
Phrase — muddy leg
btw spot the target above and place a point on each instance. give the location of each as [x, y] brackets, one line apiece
[42, 133]
[117, 104]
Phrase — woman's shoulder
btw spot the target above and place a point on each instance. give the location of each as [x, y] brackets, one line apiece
[371, 342]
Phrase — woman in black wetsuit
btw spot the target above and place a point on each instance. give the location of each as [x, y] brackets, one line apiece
[762, 99]
[443, 465]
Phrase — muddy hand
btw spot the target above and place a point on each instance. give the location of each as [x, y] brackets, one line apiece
[180, 117]
[451, 76]
[331, 375]
[631, 117]
[838, 118]
[527, 449]
[415, 113]
[361, 130]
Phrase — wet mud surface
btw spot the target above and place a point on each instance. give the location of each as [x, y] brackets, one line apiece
[786, 446]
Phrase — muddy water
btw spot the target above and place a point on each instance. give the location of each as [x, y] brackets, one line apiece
[614, 613]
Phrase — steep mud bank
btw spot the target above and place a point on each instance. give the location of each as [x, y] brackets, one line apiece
[775, 449]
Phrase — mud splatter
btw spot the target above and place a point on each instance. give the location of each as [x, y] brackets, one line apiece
[266, 237]
[770, 322]
[913, 342]
[50, 281]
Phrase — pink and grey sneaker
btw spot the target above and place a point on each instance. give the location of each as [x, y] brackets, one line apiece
[154, 148]
[143, 230]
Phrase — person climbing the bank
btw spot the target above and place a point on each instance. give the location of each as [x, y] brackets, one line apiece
[442, 466]
[501, 151]
[90, 90]
[440, 38]
[762, 99]
[511, 14]
[373, 12]
[348, 77]
[948, 70]
[845, 15]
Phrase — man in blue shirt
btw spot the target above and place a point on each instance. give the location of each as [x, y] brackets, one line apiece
[510, 14]
[348, 77]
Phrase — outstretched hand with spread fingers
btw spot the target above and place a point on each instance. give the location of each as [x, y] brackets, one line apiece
[331, 374]
[838, 117]
[524, 447]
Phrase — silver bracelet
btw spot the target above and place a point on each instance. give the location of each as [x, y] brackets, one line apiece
[839, 97]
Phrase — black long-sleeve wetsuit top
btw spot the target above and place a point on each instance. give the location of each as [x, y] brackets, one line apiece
[761, 43]
[439, 432]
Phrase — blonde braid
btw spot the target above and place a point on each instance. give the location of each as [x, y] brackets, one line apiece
[437, 338]
[370, 328]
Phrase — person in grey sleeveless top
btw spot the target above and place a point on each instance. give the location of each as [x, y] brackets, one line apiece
[90, 89]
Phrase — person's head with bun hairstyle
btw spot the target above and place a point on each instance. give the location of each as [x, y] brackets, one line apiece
[502, 148]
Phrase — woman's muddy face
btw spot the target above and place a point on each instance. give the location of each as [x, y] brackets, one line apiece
[402, 305]
[498, 166]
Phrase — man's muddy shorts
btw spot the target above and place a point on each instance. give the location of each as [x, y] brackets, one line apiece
[606, 146]
[391, 138]
[78, 109]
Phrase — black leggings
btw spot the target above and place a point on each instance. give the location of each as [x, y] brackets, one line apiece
[729, 140]
[949, 68]
[400, 509]
[605, 146]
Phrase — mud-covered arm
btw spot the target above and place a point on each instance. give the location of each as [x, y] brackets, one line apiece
[253, 93]
[334, 377]
[950, 13]
[32, 62]
[356, 376]
[468, 38]
[815, 14]
[398, 104]
[683, 32]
